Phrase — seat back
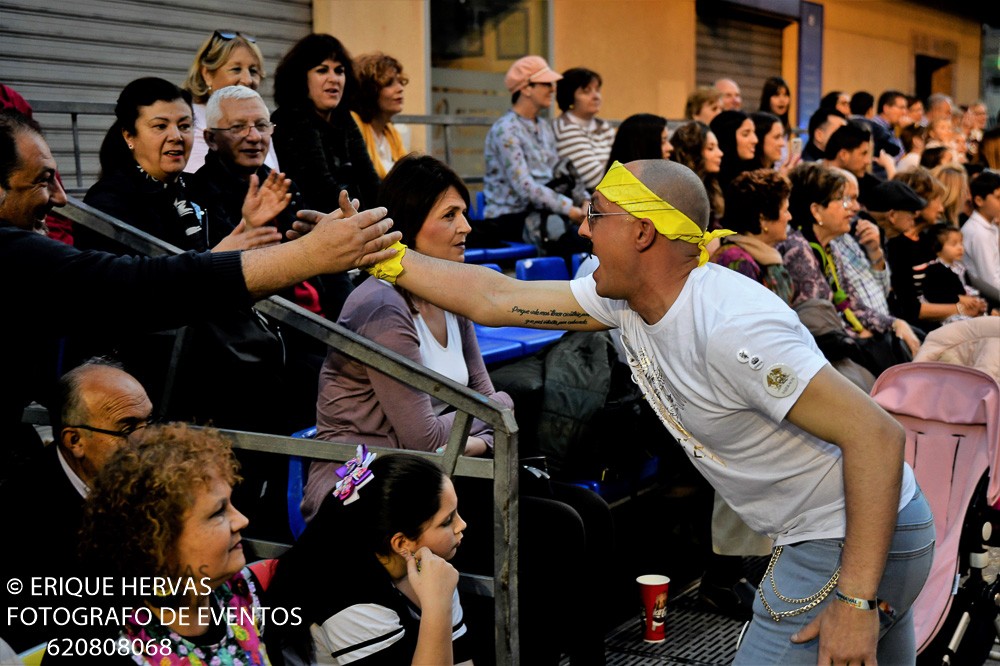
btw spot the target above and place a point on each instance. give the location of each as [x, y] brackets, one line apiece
[296, 485]
[541, 268]
[950, 414]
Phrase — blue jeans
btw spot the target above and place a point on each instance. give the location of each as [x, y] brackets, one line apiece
[804, 568]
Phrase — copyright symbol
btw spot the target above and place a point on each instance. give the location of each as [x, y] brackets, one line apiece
[14, 586]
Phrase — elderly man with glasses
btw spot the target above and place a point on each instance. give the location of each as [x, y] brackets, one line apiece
[98, 408]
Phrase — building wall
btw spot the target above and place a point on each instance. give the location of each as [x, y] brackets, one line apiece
[397, 27]
[859, 53]
[643, 49]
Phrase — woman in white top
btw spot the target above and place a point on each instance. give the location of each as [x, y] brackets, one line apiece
[582, 137]
[225, 59]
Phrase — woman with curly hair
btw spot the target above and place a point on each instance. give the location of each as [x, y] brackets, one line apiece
[697, 148]
[161, 508]
[380, 97]
[757, 202]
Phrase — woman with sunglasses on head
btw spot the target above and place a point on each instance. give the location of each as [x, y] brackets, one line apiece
[380, 97]
[226, 58]
[324, 151]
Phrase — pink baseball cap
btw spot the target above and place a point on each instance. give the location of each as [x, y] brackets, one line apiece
[529, 69]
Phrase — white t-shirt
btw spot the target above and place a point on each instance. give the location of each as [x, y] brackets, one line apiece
[722, 368]
[448, 360]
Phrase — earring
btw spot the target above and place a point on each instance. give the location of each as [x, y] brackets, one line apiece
[130, 146]
[572, 106]
[763, 229]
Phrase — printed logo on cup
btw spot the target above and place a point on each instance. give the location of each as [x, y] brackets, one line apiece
[653, 591]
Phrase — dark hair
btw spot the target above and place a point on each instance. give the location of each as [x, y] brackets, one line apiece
[752, 195]
[773, 86]
[909, 133]
[888, 97]
[862, 102]
[412, 187]
[725, 126]
[403, 494]
[67, 401]
[848, 137]
[12, 123]
[689, 149]
[573, 80]
[763, 121]
[830, 99]
[821, 117]
[933, 157]
[375, 71]
[938, 234]
[140, 93]
[983, 184]
[639, 137]
[291, 87]
[812, 183]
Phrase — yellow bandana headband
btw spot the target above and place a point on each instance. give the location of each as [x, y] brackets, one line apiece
[622, 188]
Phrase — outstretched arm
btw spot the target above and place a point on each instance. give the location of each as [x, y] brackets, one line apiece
[336, 244]
[872, 445]
[488, 297]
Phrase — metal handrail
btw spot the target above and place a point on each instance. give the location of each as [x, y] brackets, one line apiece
[468, 404]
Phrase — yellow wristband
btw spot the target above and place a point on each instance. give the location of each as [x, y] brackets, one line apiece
[389, 269]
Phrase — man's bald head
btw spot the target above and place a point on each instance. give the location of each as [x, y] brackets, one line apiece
[677, 185]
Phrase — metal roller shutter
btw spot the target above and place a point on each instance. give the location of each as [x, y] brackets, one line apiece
[747, 50]
[87, 50]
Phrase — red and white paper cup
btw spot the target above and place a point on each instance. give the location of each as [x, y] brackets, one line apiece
[653, 590]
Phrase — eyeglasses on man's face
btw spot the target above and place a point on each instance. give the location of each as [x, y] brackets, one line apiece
[125, 432]
[592, 216]
[241, 130]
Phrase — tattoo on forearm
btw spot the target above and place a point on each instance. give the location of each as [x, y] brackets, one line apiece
[552, 317]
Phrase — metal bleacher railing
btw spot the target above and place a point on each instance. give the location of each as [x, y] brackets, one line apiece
[503, 468]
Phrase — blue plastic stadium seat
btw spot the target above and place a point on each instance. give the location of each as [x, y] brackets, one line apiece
[495, 267]
[533, 339]
[510, 252]
[617, 489]
[296, 476]
[478, 206]
[475, 255]
[541, 268]
[495, 350]
[576, 260]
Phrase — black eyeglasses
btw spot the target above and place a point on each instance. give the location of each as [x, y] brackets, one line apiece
[126, 431]
[240, 130]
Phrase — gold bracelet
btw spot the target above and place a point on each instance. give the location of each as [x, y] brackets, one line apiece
[389, 269]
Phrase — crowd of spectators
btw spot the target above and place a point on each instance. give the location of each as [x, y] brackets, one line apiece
[883, 226]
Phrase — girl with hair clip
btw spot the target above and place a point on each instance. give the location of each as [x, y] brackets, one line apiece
[227, 58]
[370, 574]
[161, 508]
[314, 86]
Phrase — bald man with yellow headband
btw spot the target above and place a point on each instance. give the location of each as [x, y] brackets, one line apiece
[741, 385]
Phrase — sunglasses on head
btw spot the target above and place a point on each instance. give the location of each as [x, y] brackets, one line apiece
[225, 36]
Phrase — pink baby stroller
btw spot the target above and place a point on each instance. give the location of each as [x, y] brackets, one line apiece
[952, 419]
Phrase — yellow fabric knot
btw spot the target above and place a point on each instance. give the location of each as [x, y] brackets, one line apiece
[622, 188]
[389, 269]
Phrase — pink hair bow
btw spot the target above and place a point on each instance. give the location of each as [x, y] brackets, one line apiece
[353, 475]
